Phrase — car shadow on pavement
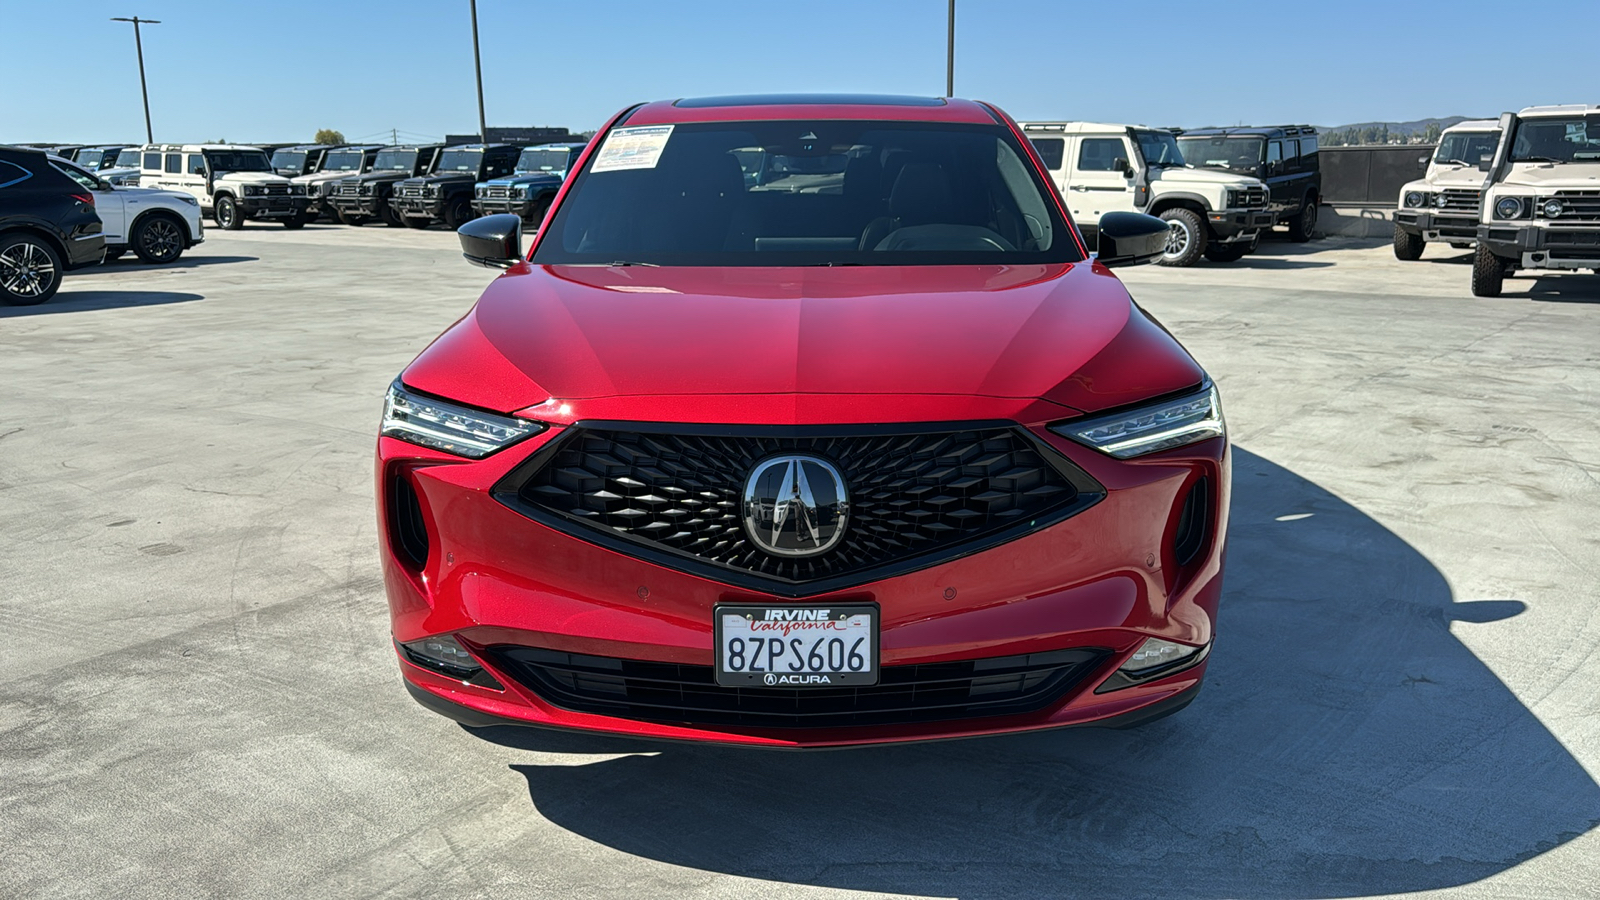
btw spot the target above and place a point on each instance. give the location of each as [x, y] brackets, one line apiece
[1574, 287]
[1347, 743]
[1258, 262]
[85, 301]
[132, 264]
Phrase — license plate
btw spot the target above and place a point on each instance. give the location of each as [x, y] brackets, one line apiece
[797, 646]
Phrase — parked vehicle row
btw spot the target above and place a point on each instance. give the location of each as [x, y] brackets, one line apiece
[1523, 191]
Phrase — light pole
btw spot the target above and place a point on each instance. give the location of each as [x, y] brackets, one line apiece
[477, 64]
[138, 43]
[950, 54]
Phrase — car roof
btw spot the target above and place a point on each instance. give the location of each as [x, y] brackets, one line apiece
[1078, 127]
[1475, 125]
[411, 146]
[1262, 130]
[570, 145]
[1568, 109]
[484, 146]
[17, 148]
[777, 107]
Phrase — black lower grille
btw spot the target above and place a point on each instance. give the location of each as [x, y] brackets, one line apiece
[689, 695]
[916, 498]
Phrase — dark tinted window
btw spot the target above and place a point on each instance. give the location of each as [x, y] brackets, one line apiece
[1274, 151]
[197, 164]
[76, 174]
[152, 161]
[175, 163]
[1098, 154]
[1052, 150]
[238, 161]
[1308, 145]
[395, 161]
[289, 159]
[1557, 139]
[1291, 149]
[808, 193]
[89, 159]
[129, 158]
[1242, 154]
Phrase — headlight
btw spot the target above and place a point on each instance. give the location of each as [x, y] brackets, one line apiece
[297, 190]
[445, 426]
[430, 191]
[365, 190]
[1507, 208]
[1414, 199]
[251, 190]
[1148, 429]
[188, 199]
[520, 193]
[1552, 209]
[478, 192]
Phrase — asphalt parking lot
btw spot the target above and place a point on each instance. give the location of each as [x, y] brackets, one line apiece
[200, 699]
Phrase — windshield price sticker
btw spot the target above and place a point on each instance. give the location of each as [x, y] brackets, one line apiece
[638, 147]
[797, 646]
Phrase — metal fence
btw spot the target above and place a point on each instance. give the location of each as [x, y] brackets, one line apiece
[1371, 176]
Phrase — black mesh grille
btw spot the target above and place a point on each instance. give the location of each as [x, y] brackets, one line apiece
[928, 496]
[666, 692]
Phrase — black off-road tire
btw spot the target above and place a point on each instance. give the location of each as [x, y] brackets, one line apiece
[1488, 273]
[353, 219]
[1407, 246]
[458, 212]
[390, 217]
[1187, 242]
[416, 222]
[30, 270]
[1226, 253]
[227, 214]
[537, 214]
[1460, 245]
[1303, 225]
[158, 239]
[295, 221]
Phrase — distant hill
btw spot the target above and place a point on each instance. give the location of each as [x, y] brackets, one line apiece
[1421, 131]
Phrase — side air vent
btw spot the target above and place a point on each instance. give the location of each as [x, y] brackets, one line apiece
[408, 530]
[1192, 523]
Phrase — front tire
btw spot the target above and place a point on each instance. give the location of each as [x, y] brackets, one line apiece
[458, 213]
[1488, 273]
[1407, 246]
[1186, 242]
[417, 223]
[30, 270]
[352, 219]
[1226, 253]
[390, 217]
[158, 239]
[1302, 225]
[226, 212]
[295, 221]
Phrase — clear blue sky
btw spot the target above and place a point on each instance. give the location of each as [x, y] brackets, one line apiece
[277, 71]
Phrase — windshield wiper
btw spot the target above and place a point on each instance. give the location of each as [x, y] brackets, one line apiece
[1537, 159]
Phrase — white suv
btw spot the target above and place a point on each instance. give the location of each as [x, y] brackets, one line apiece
[156, 225]
[232, 182]
[1541, 200]
[1443, 205]
[1103, 168]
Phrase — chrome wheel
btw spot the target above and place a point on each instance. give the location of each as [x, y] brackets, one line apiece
[1178, 238]
[26, 270]
[161, 241]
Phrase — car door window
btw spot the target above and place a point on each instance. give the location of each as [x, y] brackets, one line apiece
[1052, 150]
[1100, 154]
[78, 175]
[175, 163]
[197, 164]
[1274, 152]
[152, 162]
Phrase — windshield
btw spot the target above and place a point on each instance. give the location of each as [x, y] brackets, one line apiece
[1565, 139]
[459, 161]
[1159, 148]
[128, 158]
[1466, 146]
[289, 159]
[395, 161]
[1242, 154]
[808, 193]
[542, 159]
[89, 159]
[238, 161]
[342, 161]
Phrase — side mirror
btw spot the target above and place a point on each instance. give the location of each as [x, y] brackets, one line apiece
[1121, 165]
[1485, 162]
[1131, 239]
[494, 242]
[102, 185]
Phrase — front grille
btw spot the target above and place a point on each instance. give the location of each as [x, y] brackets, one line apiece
[497, 193]
[1459, 199]
[275, 190]
[411, 192]
[916, 499]
[348, 189]
[667, 692]
[1577, 206]
[1254, 198]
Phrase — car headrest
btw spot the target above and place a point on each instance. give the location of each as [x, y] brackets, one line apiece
[921, 194]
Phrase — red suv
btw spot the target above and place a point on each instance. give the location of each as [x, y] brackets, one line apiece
[805, 421]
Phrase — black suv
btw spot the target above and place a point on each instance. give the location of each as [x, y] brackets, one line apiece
[47, 227]
[446, 195]
[1283, 156]
[297, 159]
[361, 199]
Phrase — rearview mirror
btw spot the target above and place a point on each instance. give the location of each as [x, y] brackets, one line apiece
[494, 242]
[1130, 239]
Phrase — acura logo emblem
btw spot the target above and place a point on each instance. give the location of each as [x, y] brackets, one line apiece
[795, 505]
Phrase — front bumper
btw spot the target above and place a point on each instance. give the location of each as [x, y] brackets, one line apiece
[485, 206]
[1537, 246]
[273, 207]
[1234, 225]
[1436, 226]
[417, 207]
[1104, 580]
[368, 205]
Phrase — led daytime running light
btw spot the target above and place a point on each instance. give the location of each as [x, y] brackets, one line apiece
[445, 426]
[1153, 428]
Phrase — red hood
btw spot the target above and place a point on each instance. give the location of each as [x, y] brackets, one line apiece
[1064, 333]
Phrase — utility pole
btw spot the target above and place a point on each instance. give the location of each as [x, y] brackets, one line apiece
[477, 63]
[950, 54]
[138, 43]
